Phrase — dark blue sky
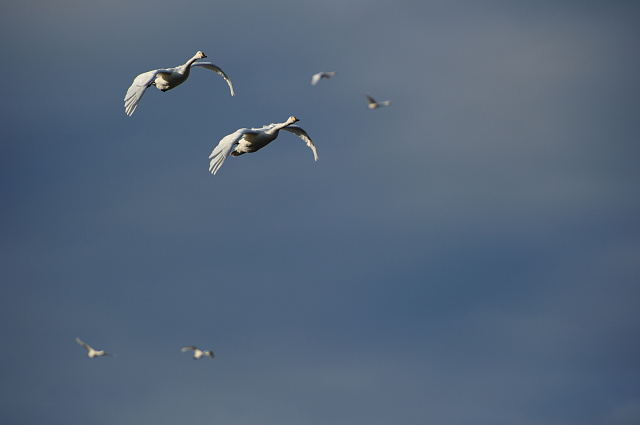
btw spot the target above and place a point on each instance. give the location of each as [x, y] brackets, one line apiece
[468, 255]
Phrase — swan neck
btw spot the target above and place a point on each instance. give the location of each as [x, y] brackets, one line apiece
[280, 126]
[187, 66]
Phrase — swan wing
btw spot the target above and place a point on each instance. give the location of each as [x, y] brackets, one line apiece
[212, 67]
[316, 78]
[138, 87]
[191, 347]
[84, 344]
[224, 148]
[304, 136]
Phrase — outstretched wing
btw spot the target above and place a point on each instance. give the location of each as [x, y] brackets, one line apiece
[84, 344]
[137, 89]
[224, 148]
[191, 347]
[316, 78]
[304, 136]
[214, 68]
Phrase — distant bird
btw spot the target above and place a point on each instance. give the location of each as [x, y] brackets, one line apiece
[247, 140]
[320, 75]
[198, 353]
[91, 353]
[166, 79]
[373, 104]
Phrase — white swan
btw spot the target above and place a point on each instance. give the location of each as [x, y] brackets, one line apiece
[91, 353]
[373, 104]
[247, 140]
[166, 79]
[198, 353]
[320, 75]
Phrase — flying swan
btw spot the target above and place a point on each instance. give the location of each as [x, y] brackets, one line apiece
[247, 140]
[320, 75]
[373, 104]
[198, 353]
[166, 79]
[91, 353]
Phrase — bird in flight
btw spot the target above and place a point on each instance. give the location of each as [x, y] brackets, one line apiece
[197, 353]
[247, 140]
[373, 104]
[91, 353]
[166, 79]
[320, 75]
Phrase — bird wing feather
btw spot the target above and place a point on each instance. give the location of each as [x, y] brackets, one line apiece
[316, 78]
[224, 148]
[138, 87]
[304, 136]
[84, 344]
[212, 67]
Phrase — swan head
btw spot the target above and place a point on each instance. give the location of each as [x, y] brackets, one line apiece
[200, 55]
[291, 120]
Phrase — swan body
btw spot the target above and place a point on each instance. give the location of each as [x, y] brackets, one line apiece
[167, 79]
[91, 353]
[247, 140]
[373, 104]
[197, 353]
[320, 75]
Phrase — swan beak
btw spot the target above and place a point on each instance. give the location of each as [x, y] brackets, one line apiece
[204, 56]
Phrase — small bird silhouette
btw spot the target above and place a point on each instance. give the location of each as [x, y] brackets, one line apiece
[320, 75]
[373, 104]
[197, 353]
[91, 353]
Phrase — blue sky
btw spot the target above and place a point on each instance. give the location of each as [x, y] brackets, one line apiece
[468, 255]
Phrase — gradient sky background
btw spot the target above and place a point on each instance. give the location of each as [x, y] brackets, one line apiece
[468, 255]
